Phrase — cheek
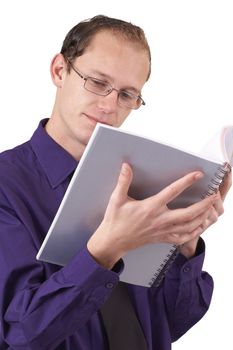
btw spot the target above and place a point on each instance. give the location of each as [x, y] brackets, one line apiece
[73, 101]
[122, 116]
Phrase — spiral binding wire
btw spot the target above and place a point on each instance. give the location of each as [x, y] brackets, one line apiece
[217, 180]
[164, 266]
[173, 252]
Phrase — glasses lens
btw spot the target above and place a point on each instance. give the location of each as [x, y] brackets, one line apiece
[129, 100]
[102, 88]
[97, 86]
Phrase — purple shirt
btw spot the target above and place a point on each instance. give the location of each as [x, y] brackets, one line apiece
[45, 306]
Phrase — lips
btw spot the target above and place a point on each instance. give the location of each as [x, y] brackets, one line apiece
[96, 120]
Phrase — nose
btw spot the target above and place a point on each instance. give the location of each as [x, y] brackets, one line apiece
[108, 104]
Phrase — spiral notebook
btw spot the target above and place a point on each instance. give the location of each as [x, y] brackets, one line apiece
[155, 165]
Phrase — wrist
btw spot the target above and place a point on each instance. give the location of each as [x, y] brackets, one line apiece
[188, 249]
[105, 253]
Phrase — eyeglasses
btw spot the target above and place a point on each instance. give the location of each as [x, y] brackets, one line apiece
[103, 88]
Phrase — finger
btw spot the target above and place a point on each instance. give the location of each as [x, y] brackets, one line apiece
[184, 215]
[190, 226]
[174, 189]
[179, 239]
[190, 236]
[120, 192]
[218, 205]
[225, 185]
[186, 237]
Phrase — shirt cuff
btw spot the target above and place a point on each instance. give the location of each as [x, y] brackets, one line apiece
[87, 275]
[188, 269]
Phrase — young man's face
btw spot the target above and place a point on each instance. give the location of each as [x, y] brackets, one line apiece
[109, 58]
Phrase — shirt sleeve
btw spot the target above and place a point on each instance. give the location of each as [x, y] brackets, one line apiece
[37, 308]
[185, 294]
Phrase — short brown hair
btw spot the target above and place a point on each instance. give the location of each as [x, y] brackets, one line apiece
[79, 37]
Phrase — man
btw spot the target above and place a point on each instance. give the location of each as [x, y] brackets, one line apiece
[99, 76]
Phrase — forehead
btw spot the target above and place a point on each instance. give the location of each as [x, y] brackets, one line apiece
[117, 57]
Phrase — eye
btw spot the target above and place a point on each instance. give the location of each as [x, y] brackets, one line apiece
[98, 84]
[128, 96]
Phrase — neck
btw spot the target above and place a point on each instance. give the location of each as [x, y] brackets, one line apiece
[74, 148]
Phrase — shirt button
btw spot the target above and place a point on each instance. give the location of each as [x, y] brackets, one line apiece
[109, 285]
[186, 269]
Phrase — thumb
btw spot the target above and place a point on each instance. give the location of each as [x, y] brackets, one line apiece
[125, 178]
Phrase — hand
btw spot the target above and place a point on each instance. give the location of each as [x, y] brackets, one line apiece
[130, 223]
[188, 249]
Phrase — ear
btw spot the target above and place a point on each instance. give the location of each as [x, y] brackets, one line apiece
[58, 70]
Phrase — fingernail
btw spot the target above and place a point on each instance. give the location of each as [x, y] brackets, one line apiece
[124, 169]
[228, 168]
[198, 175]
[214, 197]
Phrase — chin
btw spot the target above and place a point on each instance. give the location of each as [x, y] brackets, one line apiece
[87, 136]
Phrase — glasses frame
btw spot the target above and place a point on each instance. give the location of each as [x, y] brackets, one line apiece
[85, 78]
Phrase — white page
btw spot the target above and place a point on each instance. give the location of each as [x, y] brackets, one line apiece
[220, 146]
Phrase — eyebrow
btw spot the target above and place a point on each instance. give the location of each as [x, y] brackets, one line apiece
[109, 80]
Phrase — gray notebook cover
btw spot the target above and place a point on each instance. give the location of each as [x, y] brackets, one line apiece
[155, 165]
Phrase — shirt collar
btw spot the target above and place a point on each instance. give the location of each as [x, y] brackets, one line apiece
[56, 162]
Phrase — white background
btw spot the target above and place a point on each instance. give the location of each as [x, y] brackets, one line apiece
[189, 97]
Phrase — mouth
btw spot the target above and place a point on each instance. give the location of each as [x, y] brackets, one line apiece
[95, 120]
